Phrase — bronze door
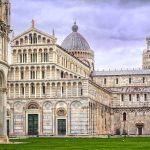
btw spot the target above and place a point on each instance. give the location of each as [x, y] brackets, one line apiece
[33, 124]
[61, 126]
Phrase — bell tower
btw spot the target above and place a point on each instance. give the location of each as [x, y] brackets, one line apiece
[146, 55]
[4, 39]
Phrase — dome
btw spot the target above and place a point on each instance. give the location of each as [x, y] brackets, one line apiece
[75, 41]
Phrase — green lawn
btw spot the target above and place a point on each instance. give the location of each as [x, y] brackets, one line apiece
[80, 144]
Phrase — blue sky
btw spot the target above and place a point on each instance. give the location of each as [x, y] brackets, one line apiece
[115, 29]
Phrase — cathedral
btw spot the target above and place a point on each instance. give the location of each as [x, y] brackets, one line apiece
[53, 90]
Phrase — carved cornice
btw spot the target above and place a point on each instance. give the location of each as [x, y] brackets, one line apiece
[132, 110]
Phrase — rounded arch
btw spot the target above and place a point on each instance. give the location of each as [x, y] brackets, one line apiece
[124, 116]
[18, 105]
[76, 104]
[32, 105]
[47, 105]
[61, 104]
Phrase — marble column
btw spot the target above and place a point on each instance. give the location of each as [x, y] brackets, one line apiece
[3, 130]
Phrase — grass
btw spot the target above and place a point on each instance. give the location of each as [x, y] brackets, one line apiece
[80, 144]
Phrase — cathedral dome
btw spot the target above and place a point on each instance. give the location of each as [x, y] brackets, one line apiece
[75, 41]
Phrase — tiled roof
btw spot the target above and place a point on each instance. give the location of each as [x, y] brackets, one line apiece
[121, 72]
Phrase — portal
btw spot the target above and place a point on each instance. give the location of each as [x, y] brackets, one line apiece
[33, 124]
[61, 124]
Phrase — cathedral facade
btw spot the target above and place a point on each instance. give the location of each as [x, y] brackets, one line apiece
[53, 90]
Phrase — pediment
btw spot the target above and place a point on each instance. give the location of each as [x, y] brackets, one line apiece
[33, 36]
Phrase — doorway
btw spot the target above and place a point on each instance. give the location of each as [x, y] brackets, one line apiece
[139, 130]
[61, 124]
[33, 124]
[8, 128]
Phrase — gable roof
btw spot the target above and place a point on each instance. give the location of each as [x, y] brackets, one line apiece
[34, 30]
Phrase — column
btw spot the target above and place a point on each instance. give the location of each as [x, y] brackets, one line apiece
[24, 90]
[50, 72]
[29, 73]
[40, 72]
[55, 76]
[19, 90]
[35, 72]
[27, 56]
[14, 91]
[71, 92]
[12, 121]
[29, 90]
[50, 89]
[24, 73]
[66, 90]
[40, 91]
[53, 121]
[35, 90]
[69, 120]
[77, 90]
[61, 94]
[45, 88]
[9, 90]
[19, 72]
[37, 54]
[14, 74]
[22, 57]
[45, 70]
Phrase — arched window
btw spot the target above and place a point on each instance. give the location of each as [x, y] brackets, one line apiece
[80, 92]
[22, 89]
[48, 41]
[62, 74]
[30, 39]
[26, 39]
[43, 74]
[39, 39]
[24, 58]
[21, 41]
[17, 42]
[138, 97]
[143, 79]
[130, 97]
[45, 57]
[34, 57]
[130, 80]
[34, 38]
[43, 89]
[32, 74]
[116, 80]
[22, 74]
[122, 97]
[44, 40]
[32, 89]
[105, 80]
[124, 116]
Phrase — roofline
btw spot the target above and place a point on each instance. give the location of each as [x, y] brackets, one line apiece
[125, 74]
[34, 29]
[72, 55]
[103, 89]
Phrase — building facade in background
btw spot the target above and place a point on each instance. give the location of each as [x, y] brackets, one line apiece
[53, 90]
